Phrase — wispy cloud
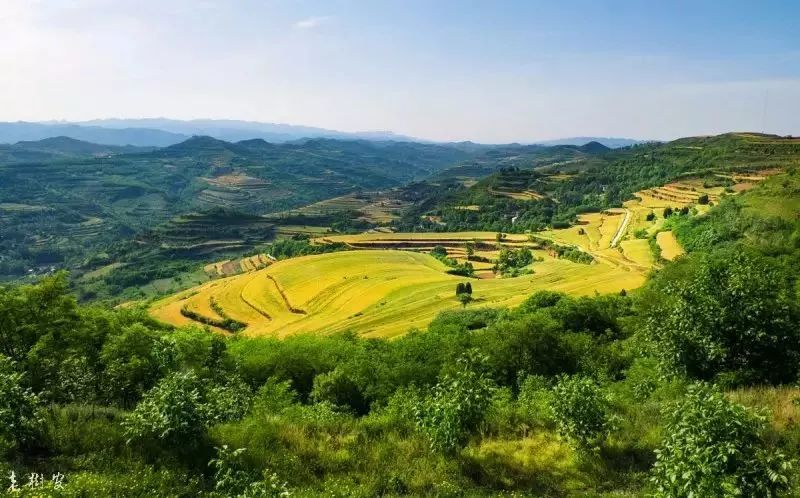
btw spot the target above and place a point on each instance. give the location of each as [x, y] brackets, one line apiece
[311, 22]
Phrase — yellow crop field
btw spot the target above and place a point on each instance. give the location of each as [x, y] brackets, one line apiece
[376, 293]
[638, 251]
[593, 232]
[422, 236]
[670, 248]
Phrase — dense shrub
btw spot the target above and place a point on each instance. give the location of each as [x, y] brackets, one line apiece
[731, 315]
[713, 447]
[181, 407]
[20, 410]
[581, 411]
[457, 405]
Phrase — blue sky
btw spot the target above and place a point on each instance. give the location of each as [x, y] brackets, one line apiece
[444, 70]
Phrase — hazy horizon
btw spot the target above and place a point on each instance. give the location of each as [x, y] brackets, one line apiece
[491, 72]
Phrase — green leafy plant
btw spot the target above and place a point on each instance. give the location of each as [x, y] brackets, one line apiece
[713, 447]
[20, 411]
[581, 411]
[232, 479]
[457, 405]
[181, 407]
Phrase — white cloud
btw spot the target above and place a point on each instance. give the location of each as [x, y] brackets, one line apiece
[311, 22]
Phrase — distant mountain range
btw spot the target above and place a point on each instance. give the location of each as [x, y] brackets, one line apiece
[162, 132]
[610, 142]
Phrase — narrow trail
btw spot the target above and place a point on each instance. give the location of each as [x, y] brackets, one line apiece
[622, 228]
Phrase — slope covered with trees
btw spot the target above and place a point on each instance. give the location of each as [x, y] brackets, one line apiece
[599, 181]
[62, 200]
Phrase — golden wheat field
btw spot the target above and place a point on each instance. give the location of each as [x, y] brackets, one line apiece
[670, 248]
[388, 284]
[375, 293]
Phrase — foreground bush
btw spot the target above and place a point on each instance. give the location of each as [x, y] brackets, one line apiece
[580, 409]
[714, 447]
[458, 404]
[731, 316]
[20, 415]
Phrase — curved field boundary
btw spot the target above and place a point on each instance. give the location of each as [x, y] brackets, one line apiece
[254, 307]
[294, 310]
[670, 247]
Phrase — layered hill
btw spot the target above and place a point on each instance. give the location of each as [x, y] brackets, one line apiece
[530, 193]
[59, 197]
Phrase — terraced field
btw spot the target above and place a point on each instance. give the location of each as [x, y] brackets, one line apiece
[230, 267]
[388, 283]
[376, 293]
[374, 207]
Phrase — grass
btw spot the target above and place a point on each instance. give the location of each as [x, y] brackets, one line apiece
[762, 201]
[778, 401]
[101, 272]
[375, 293]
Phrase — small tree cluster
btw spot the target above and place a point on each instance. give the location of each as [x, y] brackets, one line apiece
[439, 252]
[731, 317]
[463, 288]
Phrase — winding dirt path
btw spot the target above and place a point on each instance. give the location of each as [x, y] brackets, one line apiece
[623, 227]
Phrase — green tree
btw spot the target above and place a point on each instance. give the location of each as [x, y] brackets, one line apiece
[457, 405]
[134, 360]
[338, 389]
[731, 315]
[20, 410]
[713, 447]
[459, 288]
[464, 299]
[581, 411]
[439, 252]
[703, 199]
[29, 311]
[180, 408]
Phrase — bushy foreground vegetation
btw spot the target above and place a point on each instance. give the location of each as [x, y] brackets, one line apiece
[561, 396]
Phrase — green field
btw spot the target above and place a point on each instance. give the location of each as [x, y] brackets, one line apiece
[376, 293]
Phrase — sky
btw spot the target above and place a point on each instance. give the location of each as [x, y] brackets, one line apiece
[487, 71]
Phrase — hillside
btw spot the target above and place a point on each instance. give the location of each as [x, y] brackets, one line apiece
[374, 293]
[55, 148]
[65, 201]
[557, 192]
